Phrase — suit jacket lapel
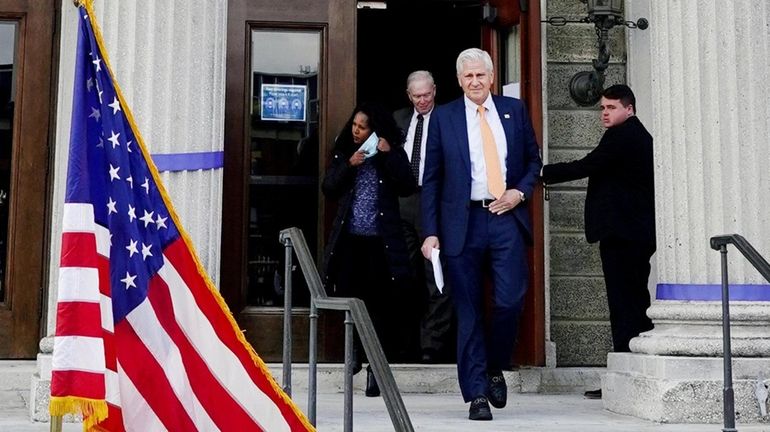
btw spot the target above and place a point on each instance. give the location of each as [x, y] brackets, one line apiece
[461, 130]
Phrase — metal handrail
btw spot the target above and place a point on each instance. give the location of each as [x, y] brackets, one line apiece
[719, 243]
[355, 315]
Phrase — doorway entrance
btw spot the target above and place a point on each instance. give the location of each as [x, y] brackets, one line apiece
[26, 49]
[428, 35]
[333, 55]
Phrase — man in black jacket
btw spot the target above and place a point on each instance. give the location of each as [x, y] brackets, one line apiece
[619, 211]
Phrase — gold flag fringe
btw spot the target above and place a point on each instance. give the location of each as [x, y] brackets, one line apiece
[92, 410]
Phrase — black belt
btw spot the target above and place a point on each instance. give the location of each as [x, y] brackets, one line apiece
[482, 204]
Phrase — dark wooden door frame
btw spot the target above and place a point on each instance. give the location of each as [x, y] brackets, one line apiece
[334, 20]
[530, 348]
[532, 95]
[20, 314]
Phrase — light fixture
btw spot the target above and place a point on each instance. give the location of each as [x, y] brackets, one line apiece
[586, 87]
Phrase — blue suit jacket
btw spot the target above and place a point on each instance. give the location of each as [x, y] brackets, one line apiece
[446, 188]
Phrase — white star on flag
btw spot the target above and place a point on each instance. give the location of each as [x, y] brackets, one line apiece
[115, 105]
[147, 218]
[129, 280]
[95, 114]
[146, 185]
[146, 251]
[114, 173]
[160, 222]
[111, 207]
[98, 63]
[114, 139]
[130, 180]
[132, 248]
[131, 213]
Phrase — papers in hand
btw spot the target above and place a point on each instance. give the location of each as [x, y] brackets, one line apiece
[369, 147]
[438, 274]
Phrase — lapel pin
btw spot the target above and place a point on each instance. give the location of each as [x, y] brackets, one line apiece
[506, 115]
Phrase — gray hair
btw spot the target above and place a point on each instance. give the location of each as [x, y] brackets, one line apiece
[471, 55]
[420, 75]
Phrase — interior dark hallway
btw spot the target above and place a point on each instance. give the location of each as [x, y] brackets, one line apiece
[412, 35]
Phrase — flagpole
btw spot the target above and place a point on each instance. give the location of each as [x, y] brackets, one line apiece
[56, 423]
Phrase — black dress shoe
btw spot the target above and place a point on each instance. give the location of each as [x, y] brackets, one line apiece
[593, 394]
[498, 390]
[480, 409]
[356, 366]
[372, 389]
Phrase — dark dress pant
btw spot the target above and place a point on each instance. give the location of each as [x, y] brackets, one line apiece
[363, 273]
[435, 309]
[626, 266]
[496, 241]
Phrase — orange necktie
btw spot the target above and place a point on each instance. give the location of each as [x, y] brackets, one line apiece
[495, 182]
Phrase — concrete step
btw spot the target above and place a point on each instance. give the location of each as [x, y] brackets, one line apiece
[15, 374]
[411, 378]
[15, 379]
[430, 379]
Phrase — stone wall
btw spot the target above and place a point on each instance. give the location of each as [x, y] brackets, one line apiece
[578, 302]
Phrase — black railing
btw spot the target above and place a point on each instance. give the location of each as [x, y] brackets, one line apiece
[719, 243]
[355, 315]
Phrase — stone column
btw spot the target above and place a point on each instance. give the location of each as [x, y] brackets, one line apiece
[703, 66]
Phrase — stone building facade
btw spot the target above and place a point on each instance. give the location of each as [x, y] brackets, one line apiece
[579, 316]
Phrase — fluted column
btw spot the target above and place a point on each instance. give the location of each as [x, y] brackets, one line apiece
[709, 66]
[169, 59]
[711, 77]
[703, 67]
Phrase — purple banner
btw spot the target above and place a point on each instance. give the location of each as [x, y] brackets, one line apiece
[712, 292]
[189, 161]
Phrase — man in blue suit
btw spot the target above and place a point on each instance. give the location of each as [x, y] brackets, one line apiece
[482, 161]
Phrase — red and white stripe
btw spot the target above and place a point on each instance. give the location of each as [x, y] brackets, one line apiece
[79, 363]
[175, 362]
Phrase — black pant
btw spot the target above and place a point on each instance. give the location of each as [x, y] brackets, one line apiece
[436, 309]
[626, 266]
[363, 272]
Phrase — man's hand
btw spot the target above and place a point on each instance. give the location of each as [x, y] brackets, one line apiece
[430, 243]
[510, 199]
[357, 158]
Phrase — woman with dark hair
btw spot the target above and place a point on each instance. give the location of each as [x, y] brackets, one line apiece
[366, 255]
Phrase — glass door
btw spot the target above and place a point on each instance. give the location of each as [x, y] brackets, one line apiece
[291, 83]
[284, 123]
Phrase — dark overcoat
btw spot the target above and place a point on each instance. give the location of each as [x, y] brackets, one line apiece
[620, 201]
[394, 179]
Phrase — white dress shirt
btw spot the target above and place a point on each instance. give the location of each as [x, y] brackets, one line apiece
[479, 189]
[409, 143]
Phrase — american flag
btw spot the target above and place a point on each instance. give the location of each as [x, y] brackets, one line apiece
[144, 342]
